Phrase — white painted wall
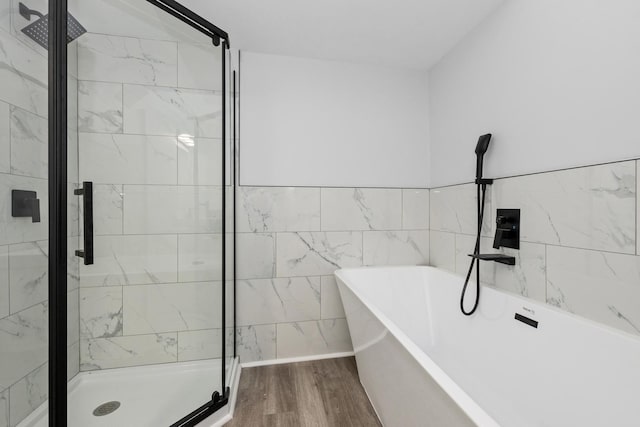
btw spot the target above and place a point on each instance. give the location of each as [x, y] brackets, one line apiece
[557, 82]
[320, 123]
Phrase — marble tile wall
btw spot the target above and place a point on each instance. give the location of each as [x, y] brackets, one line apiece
[23, 244]
[291, 240]
[579, 238]
[149, 122]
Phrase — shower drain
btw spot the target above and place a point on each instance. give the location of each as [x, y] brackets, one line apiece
[106, 408]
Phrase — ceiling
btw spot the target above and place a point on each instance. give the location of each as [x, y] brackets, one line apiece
[403, 33]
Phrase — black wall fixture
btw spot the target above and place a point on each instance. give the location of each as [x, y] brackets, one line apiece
[507, 229]
[25, 204]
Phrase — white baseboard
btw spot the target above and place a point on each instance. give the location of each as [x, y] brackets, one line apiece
[296, 359]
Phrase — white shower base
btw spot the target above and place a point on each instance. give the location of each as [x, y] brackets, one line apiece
[153, 396]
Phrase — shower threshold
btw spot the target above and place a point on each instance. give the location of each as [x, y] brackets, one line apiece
[154, 396]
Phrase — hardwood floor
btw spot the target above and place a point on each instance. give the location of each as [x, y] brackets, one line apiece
[321, 393]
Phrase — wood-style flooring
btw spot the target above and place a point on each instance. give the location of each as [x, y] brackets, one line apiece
[321, 393]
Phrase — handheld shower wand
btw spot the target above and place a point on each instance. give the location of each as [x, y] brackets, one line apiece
[481, 149]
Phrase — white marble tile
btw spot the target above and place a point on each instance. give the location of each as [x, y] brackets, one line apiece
[5, 138]
[442, 250]
[99, 107]
[199, 345]
[638, 207]
[73, 317]
[28, 272]
[199, 66]
[601, 286]
[199, 161]
[313, 338]
[73, 262]
[4, 406]
[331, 304]
[152, 110]
[128, 159]
[19, 230]
[5, 25]
[107, 209]
[264, 301]
[73, 360]
[156, 209]
[454, 209]
[344, 209]
[101, 312]
[396, 247]
[199, 257]
[591, 208]
[73, 210]
[29, 144]
[317, 254]
[415, 209]
[72, 101]
[255, 343]
[24, 343]
[127, 60]
[464, 245]
[264, 209]
[119, 352]
[172, 307]
[23, 76]
[28, 393]
[132, 260]
[255, 255]
[4, 281]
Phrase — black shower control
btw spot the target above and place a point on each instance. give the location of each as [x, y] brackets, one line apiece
[25, 204]
[507, 229]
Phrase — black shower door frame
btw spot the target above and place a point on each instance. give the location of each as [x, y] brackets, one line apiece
[58, 104]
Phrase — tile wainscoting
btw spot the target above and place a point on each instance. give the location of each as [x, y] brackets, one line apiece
[578, 239]
[291, 240]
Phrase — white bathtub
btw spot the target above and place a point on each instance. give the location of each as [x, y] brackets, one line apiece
[423, 363]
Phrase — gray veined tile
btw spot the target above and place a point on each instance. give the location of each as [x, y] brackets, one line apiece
[5, 138]
[415, 209]
[107, 209]
[24, 340]
[396, 247]
[199, 66]
[313, 338]
[172, 307]
[73, 360]
[592, 207]
[131, 260]
[118, 59]
[256, 255]
[4, 408]
[29, 144]
[119, 352]
[442, 250]
[101, 312]
[199, 345]
[331, 304]
[278, 300]
[199, 257]
[73, 317]
[638, 206]
[4, 281]
[269, 209]
[199, 161]
[600, 286]
[453, 209]
[28, 272]
[255, 343]
[317, 253]
[345, 209]
[128, 159]
[5, 25]
[100, 107]
[28, 393]
[23, 76]
[188, 113]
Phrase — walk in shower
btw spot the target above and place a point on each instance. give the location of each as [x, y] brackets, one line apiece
[117, 180]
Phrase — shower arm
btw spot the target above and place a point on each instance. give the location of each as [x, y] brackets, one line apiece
[27, 13]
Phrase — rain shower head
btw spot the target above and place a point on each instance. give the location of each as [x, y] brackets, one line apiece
[38, 30]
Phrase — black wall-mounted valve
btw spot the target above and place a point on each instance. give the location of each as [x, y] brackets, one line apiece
[507, 229]
[25, 204]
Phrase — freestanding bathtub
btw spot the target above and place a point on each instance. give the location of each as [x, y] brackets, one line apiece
[423, 363]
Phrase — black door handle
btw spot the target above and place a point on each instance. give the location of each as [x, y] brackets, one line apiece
[87, 205]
